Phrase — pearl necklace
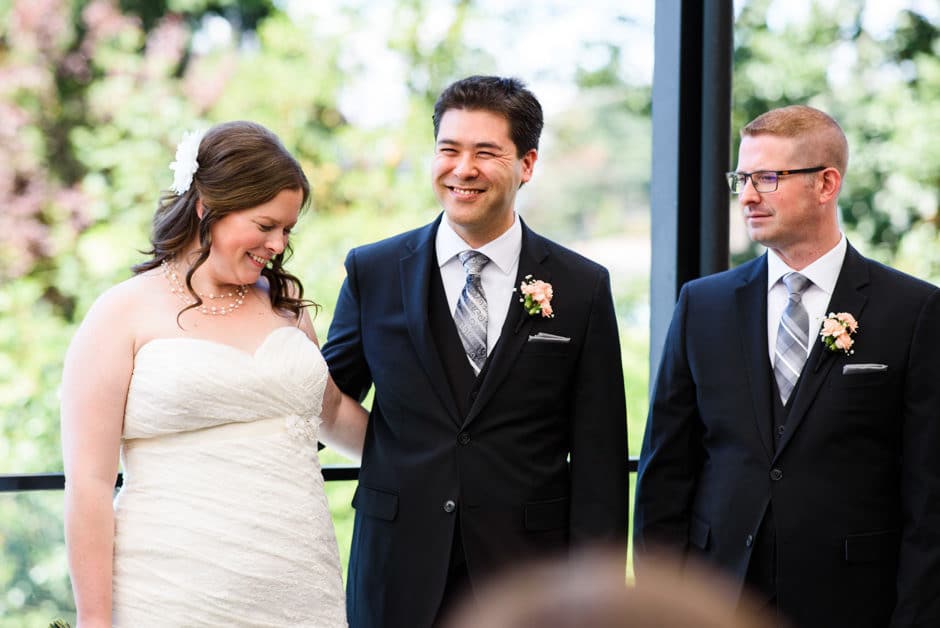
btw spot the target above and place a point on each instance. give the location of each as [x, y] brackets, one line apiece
[177, 288]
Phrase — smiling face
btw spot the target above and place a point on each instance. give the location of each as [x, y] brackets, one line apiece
[244, 241]
[476, 173]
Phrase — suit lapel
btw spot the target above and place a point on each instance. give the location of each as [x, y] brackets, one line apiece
[416, 267]
[514, 334]
[751, 299]
[850, 296]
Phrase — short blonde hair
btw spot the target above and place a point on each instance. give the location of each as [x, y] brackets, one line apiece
[818, 133]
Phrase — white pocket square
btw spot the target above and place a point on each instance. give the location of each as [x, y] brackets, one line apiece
[854, 369]
[546, 337]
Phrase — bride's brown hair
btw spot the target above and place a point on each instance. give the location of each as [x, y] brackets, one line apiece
[241, 165]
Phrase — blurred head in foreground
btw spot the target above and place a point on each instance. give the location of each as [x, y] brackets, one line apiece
[590, 591]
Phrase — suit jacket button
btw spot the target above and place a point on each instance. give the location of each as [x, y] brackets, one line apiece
[749, 540]
[776, 474]
[464, 438]
[450, 506]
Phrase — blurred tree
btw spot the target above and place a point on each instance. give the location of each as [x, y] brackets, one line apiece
[245, 14]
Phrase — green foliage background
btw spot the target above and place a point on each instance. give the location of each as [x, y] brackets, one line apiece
[94, 95]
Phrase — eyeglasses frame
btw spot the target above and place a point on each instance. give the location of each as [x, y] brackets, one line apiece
[732, 177]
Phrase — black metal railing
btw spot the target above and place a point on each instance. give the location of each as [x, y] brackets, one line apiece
[23, 482]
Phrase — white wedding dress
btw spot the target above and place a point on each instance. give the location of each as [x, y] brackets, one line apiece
[222, 519]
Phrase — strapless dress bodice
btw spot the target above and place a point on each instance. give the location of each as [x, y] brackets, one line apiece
[188, 384]
[222, 519]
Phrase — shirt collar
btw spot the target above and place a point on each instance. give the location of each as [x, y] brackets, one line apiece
[503, 251]
[824, 272]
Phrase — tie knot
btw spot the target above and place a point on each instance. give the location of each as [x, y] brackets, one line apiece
[473, 261]
[796, 283]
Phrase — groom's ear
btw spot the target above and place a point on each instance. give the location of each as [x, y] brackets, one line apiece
[528, 165]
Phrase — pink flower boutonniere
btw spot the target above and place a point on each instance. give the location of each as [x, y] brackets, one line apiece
[536, 297]
[837, 331]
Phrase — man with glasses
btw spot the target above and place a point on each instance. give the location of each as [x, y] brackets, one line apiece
[794, 433]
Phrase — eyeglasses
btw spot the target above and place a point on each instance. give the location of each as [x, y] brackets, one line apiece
[763, 180]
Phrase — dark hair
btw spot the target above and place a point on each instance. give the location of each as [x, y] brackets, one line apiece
[505, 96]
[241, 165]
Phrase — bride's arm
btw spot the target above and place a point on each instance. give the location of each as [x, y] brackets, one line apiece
[344, 422]
[95, 378]
[344, 419]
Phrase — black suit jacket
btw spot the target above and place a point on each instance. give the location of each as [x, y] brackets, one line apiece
[504, 467]
[855, 478]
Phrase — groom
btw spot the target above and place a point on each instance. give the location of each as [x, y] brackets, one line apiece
[809, 473]
[498, 428]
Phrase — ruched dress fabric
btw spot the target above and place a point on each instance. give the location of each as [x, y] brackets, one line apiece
[222, 519]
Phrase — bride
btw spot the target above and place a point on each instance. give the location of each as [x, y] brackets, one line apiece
[202, 376]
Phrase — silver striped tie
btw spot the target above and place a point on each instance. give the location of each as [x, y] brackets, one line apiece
[792, 346]
[470, 315]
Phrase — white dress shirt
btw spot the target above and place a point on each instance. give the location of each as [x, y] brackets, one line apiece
[823, 273]
[498, 277]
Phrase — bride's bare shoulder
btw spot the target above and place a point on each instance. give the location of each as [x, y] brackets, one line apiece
[132, 298]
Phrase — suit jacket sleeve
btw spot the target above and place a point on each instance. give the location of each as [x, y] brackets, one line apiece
[343, 350]
[671, 456]
[918, 581]
[599, 476]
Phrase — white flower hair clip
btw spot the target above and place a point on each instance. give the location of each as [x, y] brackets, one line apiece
[186, 165]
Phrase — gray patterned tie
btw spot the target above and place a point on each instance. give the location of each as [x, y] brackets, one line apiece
[792, 337]
[470, 315]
